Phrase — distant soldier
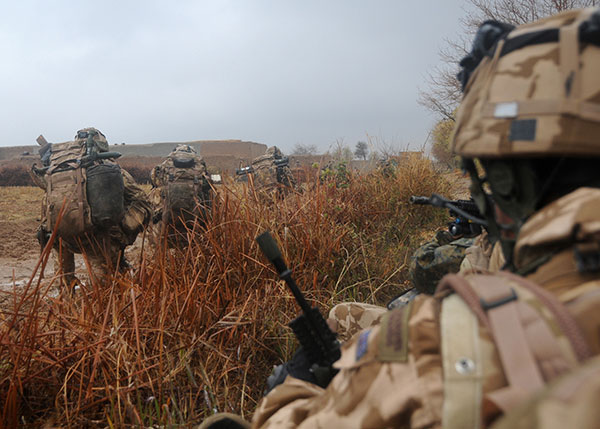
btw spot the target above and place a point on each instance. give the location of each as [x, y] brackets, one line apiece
[387, 166]
[182, 193]
[270, 172]
[443, 255]
[93, 205]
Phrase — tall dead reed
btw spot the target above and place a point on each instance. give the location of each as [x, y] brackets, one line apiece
[197, 329]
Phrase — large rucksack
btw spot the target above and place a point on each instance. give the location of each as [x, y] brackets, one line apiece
[82, 185]
[186, 189]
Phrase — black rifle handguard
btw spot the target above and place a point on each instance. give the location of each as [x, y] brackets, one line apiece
[311, 329]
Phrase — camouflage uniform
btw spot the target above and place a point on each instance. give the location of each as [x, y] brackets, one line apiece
[429, 264]
[435, 259]
[267, 176]
[486, 343]
[572, 401]
[103, 248]
[401, 384]
[196, 182]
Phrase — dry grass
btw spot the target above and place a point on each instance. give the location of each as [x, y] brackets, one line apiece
[197, 330]
[18, 203]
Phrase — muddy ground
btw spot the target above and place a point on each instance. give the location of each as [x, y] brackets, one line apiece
[19, 248]
[19, 220]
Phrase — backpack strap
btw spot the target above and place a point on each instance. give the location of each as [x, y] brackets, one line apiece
[565, 320]
[462, 365]
[81, 198]
[528, 348]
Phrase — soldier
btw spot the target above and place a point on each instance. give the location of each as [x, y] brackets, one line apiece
[182, 193]
[485, 343]
[101, 208]
[443, 255]
[271, 172]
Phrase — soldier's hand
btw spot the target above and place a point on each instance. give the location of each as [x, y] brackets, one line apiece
[300, 367]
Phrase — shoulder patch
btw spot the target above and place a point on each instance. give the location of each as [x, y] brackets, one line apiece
[393, 338]
[363, 342]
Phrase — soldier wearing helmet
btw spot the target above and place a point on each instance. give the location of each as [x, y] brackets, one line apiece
[182, 195]
[528, 131]
[78, 232]
[271, 172]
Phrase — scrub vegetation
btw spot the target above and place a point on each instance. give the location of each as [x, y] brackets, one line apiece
[193, 331]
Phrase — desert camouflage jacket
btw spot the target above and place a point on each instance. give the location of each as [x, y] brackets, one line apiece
[400, 373]
[268, 176]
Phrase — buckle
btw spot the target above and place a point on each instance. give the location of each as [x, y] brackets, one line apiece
[587, 257]
[501, 301]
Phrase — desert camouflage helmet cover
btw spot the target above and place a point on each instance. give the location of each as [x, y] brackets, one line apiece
[184, 148]
[536, 90]
[274, 152]
[97, 135]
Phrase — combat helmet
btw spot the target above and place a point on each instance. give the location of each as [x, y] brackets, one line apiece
[530, 115]
[97, 136]
[184, 148]
[274, 152]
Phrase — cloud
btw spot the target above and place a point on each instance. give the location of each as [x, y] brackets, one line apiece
[273, 72]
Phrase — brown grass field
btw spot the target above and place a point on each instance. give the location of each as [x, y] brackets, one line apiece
[194, 331]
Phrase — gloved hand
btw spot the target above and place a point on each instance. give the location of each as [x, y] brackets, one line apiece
[300, 367]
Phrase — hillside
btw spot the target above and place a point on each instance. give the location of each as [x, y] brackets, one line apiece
[243, 150]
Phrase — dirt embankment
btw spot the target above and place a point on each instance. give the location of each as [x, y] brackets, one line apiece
[19, 219]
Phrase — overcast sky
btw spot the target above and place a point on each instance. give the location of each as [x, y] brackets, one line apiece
[276, 72]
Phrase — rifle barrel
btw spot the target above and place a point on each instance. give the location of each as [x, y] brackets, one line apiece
[419, 200]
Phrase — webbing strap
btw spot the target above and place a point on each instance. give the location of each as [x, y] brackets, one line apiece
[585, 110]
[462, 365]
[568, 42]
[81, 197]
[517, 359]
[458, 284]
[513, 324]
[565, 320]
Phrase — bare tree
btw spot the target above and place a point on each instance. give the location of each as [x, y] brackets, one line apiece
[443, 90]
[340, 151]
[304, 149]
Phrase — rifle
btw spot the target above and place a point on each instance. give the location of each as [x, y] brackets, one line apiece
[278, 163]
[467, 217]
[91, 155]
[91, 151]
[311, 329]
[244, 171]
[281, 162]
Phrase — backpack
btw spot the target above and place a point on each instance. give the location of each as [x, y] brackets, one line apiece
[88, 190]
[186, 189]
[537, 339]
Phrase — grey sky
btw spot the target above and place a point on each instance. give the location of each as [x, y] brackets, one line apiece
[276, 72]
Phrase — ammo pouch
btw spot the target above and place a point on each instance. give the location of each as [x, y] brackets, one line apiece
[66, 189]
[105, 190]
